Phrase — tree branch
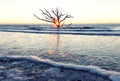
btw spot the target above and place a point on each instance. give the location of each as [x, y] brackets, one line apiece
[55, 16]
[49, 15]
[42, 19]
[46, 13]
[67, 16]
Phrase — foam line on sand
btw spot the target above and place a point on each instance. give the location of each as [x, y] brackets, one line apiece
[112, 75]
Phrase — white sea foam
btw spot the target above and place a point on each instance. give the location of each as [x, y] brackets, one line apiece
[114, 76]
[116, 28]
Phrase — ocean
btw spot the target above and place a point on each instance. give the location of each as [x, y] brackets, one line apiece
[87, 45]
[85, 29]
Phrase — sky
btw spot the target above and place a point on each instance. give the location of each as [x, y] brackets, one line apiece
[83, 11]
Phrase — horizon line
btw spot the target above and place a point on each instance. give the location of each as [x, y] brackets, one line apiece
[49, 24]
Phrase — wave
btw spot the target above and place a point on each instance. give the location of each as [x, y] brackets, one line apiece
[112, 75]
[99, 29]
[67, 31]
[116, 28]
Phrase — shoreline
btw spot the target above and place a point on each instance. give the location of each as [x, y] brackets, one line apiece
[14, 68]
[52, 70]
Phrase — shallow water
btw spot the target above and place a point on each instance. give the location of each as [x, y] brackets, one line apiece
[96, 50]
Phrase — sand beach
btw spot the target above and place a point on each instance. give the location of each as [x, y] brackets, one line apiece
[24, 70]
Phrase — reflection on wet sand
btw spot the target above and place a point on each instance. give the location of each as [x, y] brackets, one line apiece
[55, 45]
[88, 50]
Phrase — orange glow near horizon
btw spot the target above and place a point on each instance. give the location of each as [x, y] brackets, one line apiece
[74, 21]
[83, 11]
[57, 23]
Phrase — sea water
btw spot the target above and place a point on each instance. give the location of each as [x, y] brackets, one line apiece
[101, 48]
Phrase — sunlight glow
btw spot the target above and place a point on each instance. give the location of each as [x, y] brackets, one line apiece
[57, 23]
[83, 11]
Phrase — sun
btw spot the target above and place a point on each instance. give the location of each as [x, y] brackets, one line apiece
[57, 23]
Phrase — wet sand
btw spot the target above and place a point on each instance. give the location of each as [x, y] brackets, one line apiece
[23, 70]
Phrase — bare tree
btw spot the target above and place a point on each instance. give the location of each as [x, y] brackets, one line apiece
[54, 16]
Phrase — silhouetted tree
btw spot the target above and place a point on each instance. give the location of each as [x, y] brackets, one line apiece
[54, 16]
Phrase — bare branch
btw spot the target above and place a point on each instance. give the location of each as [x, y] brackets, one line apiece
[55, 16]
[57, 11]
[65, 17]
[54, 12]
[46, 13]
[69, 24]
[42, 19]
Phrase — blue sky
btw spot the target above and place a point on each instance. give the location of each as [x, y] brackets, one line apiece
[84, 11]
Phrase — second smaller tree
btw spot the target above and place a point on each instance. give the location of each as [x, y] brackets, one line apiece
[54, 16]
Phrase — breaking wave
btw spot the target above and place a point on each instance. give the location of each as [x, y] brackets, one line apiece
[112, 75]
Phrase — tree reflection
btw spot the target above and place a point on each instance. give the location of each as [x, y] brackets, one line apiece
[54, 46]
